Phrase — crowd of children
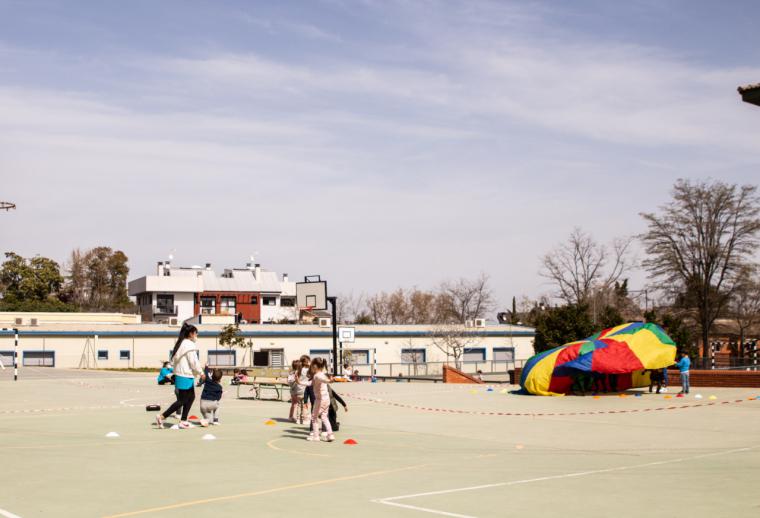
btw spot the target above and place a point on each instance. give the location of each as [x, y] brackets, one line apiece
[312, 400]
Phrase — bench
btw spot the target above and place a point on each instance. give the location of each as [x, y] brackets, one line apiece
[259, 383]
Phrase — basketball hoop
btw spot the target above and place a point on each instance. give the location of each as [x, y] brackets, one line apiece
[6, 205]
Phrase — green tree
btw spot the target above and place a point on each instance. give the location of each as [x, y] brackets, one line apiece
[97, 280]
[610, 317]
[31, 284]
[560, 325]
[231, 337]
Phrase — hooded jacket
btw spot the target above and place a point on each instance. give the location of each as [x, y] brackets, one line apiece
[186, 362]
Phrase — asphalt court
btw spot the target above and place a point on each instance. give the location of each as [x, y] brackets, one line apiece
[423, 449]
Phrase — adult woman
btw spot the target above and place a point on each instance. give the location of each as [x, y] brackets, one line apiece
[186, 367]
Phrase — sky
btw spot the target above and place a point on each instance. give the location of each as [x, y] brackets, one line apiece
[380, 144]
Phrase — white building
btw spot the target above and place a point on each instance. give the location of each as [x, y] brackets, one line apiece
[406, 349]
[251, 294]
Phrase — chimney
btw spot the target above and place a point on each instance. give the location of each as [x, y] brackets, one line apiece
[160, 268]
[257, 271]
[249, 266]
[208, 266]
[284, 277]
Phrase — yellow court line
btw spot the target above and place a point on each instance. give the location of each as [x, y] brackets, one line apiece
[264, 491]
[271, 445]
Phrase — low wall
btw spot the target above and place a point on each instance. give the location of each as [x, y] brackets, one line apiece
[705, 378]
[452, 375]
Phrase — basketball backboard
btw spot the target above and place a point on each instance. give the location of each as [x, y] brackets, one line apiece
[346, 335]
[311, 294]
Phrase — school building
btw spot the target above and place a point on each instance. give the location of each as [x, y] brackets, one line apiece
[408, 349]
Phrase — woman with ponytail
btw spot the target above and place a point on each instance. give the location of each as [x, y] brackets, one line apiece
[186, 367]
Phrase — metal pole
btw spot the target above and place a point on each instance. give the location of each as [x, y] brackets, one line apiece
[15, 354]
[334, 302]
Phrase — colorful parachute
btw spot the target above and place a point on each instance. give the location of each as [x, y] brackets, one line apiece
[625, 350]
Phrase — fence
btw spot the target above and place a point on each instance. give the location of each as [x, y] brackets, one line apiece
[435, 369]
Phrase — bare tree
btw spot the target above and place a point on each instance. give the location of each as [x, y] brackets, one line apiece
[452, 340]
[350, 307]
[580, 265]
[465, 299]
[744, 306]
[700, 241]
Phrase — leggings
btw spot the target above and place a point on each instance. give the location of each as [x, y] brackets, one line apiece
[319, 416]
[308, 396]
[185, 400]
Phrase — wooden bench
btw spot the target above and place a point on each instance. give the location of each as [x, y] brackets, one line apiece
[260, 383]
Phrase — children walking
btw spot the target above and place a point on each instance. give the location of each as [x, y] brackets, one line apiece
[296, 392]
[320, 383]
[186, 367]
[211, 397]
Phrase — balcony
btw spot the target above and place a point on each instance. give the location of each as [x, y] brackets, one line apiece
[166, 310]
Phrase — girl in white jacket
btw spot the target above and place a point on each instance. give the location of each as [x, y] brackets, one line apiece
[186, 367]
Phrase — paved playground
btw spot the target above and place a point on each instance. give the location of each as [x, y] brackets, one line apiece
[423, 449]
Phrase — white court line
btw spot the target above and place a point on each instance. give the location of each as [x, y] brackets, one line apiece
[7, 514]
[392, 499]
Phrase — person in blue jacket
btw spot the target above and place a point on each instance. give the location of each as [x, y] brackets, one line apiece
[683, 367]
[166, 375]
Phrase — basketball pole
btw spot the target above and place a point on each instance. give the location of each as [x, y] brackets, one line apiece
[334, 302]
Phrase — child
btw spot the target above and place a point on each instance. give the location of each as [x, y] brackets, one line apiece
[235, 377]
[166, 375]
[332, 413]
[320, 383]
[296, 392]
[211, 397]
[305, 386]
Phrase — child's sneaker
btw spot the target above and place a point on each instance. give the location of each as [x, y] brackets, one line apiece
[186, 424]
[292, 419]
[312, 437]
[160, 421]
[216, 422]
[330, 437]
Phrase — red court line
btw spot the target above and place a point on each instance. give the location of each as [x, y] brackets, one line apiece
[533, 414]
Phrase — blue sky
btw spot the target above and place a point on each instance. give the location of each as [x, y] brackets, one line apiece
[380, 144]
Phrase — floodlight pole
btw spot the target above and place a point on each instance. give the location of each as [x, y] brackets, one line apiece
[334, 302]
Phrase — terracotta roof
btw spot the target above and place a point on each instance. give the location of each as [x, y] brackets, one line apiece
[749, 88]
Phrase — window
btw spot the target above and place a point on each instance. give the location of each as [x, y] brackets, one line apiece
[38, 359]
[261, 358]
[165, 304]
[269, 301]
[222, 358]
[287, 302]
[321, 353]
[276, 358]
[412, 355]
[208, 305]
[358, 357]
[6, 357]
[474, 354]
[504, 354]
[254, 299]
[228, 305]
[102, 354]
[125, 354]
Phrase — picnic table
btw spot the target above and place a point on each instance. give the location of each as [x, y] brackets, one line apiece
[259, 384]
